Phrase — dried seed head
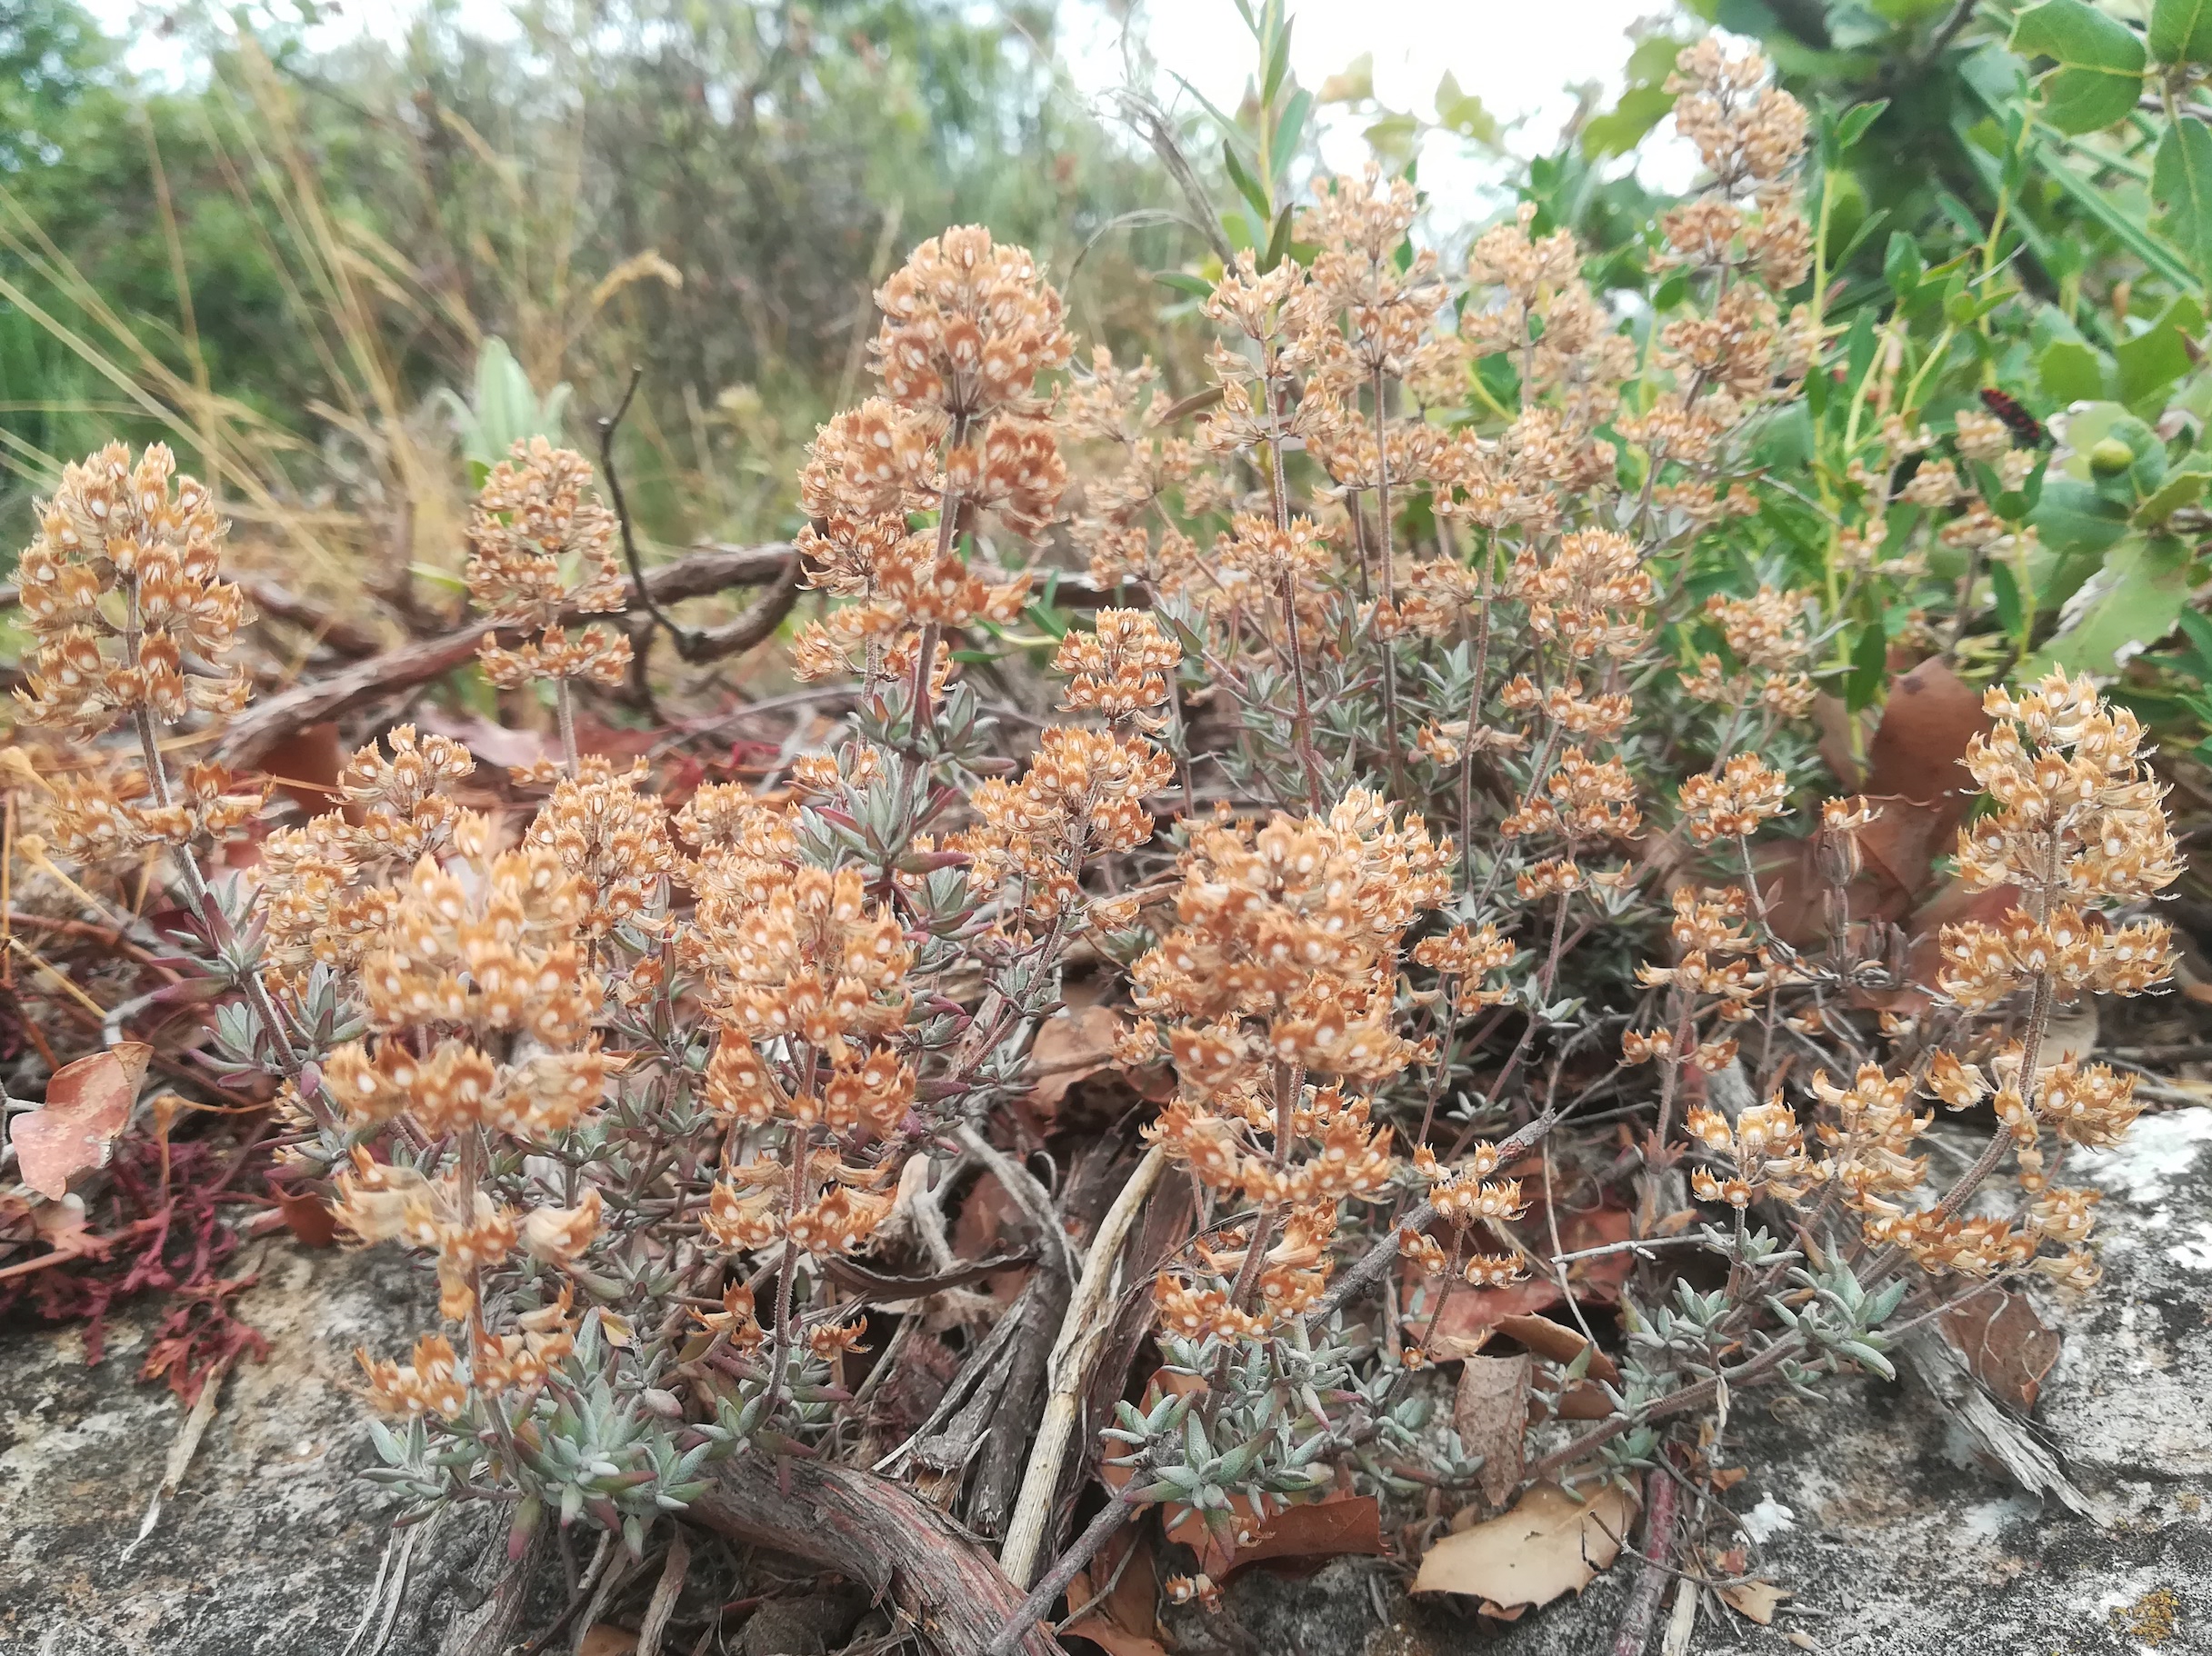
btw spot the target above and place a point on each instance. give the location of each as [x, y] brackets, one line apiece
[120, 590]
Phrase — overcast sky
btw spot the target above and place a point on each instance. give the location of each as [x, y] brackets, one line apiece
[1519, 58]
[1513, 55]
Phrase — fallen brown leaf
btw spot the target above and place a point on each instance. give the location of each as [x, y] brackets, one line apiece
[1125, 1621]
[1490, 1413]
[1333, 1527]
[306, 1215]
[1558, 1341]
[1469, 1315]
[2005, 1344]
[493, 743]
[88, 1105]
[1898, 852]
[305, 766]
[1070, 1048]
[986, 1216]
[1755, 1601]
[1549, 1543]
[1583, 1401]
[1918, 749]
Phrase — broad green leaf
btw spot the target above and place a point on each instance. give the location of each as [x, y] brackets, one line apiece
[2197, 629]
[1869, 666]
[2181, 31]
[2181, 184]
[1290, 130]
[2084, 430]
[2005, 593]
[2100, 64]
[2072, 518]
[1853, 126]
[2071, 372]
[2126, 607]
[2127, 483]
[2154, 359]
[1624, 125]
[1278, 66]
[1653, 60]
[1859, 347]
[1462, 112]
[1182, 282]
[1352, 84]
[1902, 264]
[503, 409]
[1393, 137]
[2180, 489]
[1246, 186]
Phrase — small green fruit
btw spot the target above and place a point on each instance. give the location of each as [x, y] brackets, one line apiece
[2109, 457]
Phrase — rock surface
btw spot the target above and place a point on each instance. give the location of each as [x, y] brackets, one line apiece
[1872, 1509]
[272, 1542]
[1875, 1513]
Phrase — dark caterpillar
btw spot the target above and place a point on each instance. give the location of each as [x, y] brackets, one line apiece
[2023, 425]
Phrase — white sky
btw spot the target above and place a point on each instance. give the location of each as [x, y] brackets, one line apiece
[1517, 57]
[1520, 58]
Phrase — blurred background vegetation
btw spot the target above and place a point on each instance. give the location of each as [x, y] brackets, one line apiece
[331, 275]
[305, 269]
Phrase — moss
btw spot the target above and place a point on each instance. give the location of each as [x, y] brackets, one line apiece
[2155, 1618]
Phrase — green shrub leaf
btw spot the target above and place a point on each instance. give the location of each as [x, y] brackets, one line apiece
[2181, 31]
[2181, 183]
[2100, 64]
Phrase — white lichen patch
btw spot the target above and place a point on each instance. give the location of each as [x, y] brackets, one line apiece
[1769, 1518]
[2158, 1151]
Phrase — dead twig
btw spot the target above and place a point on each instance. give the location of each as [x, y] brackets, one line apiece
[697, 573]
[1938, 1365]
[1082, 1330]
[665, 1594]
[694, 644]
[882, 1535]
[1633, 1632]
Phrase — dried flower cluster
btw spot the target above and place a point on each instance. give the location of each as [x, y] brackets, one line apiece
[968, 326]
[541, 545]
[1447, 846]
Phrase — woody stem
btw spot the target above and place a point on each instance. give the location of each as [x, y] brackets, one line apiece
[1389, 554]
[564, 704]
[1302, 717]
[948, 521]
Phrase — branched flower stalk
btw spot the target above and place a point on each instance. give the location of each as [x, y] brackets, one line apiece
[1431, 803]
